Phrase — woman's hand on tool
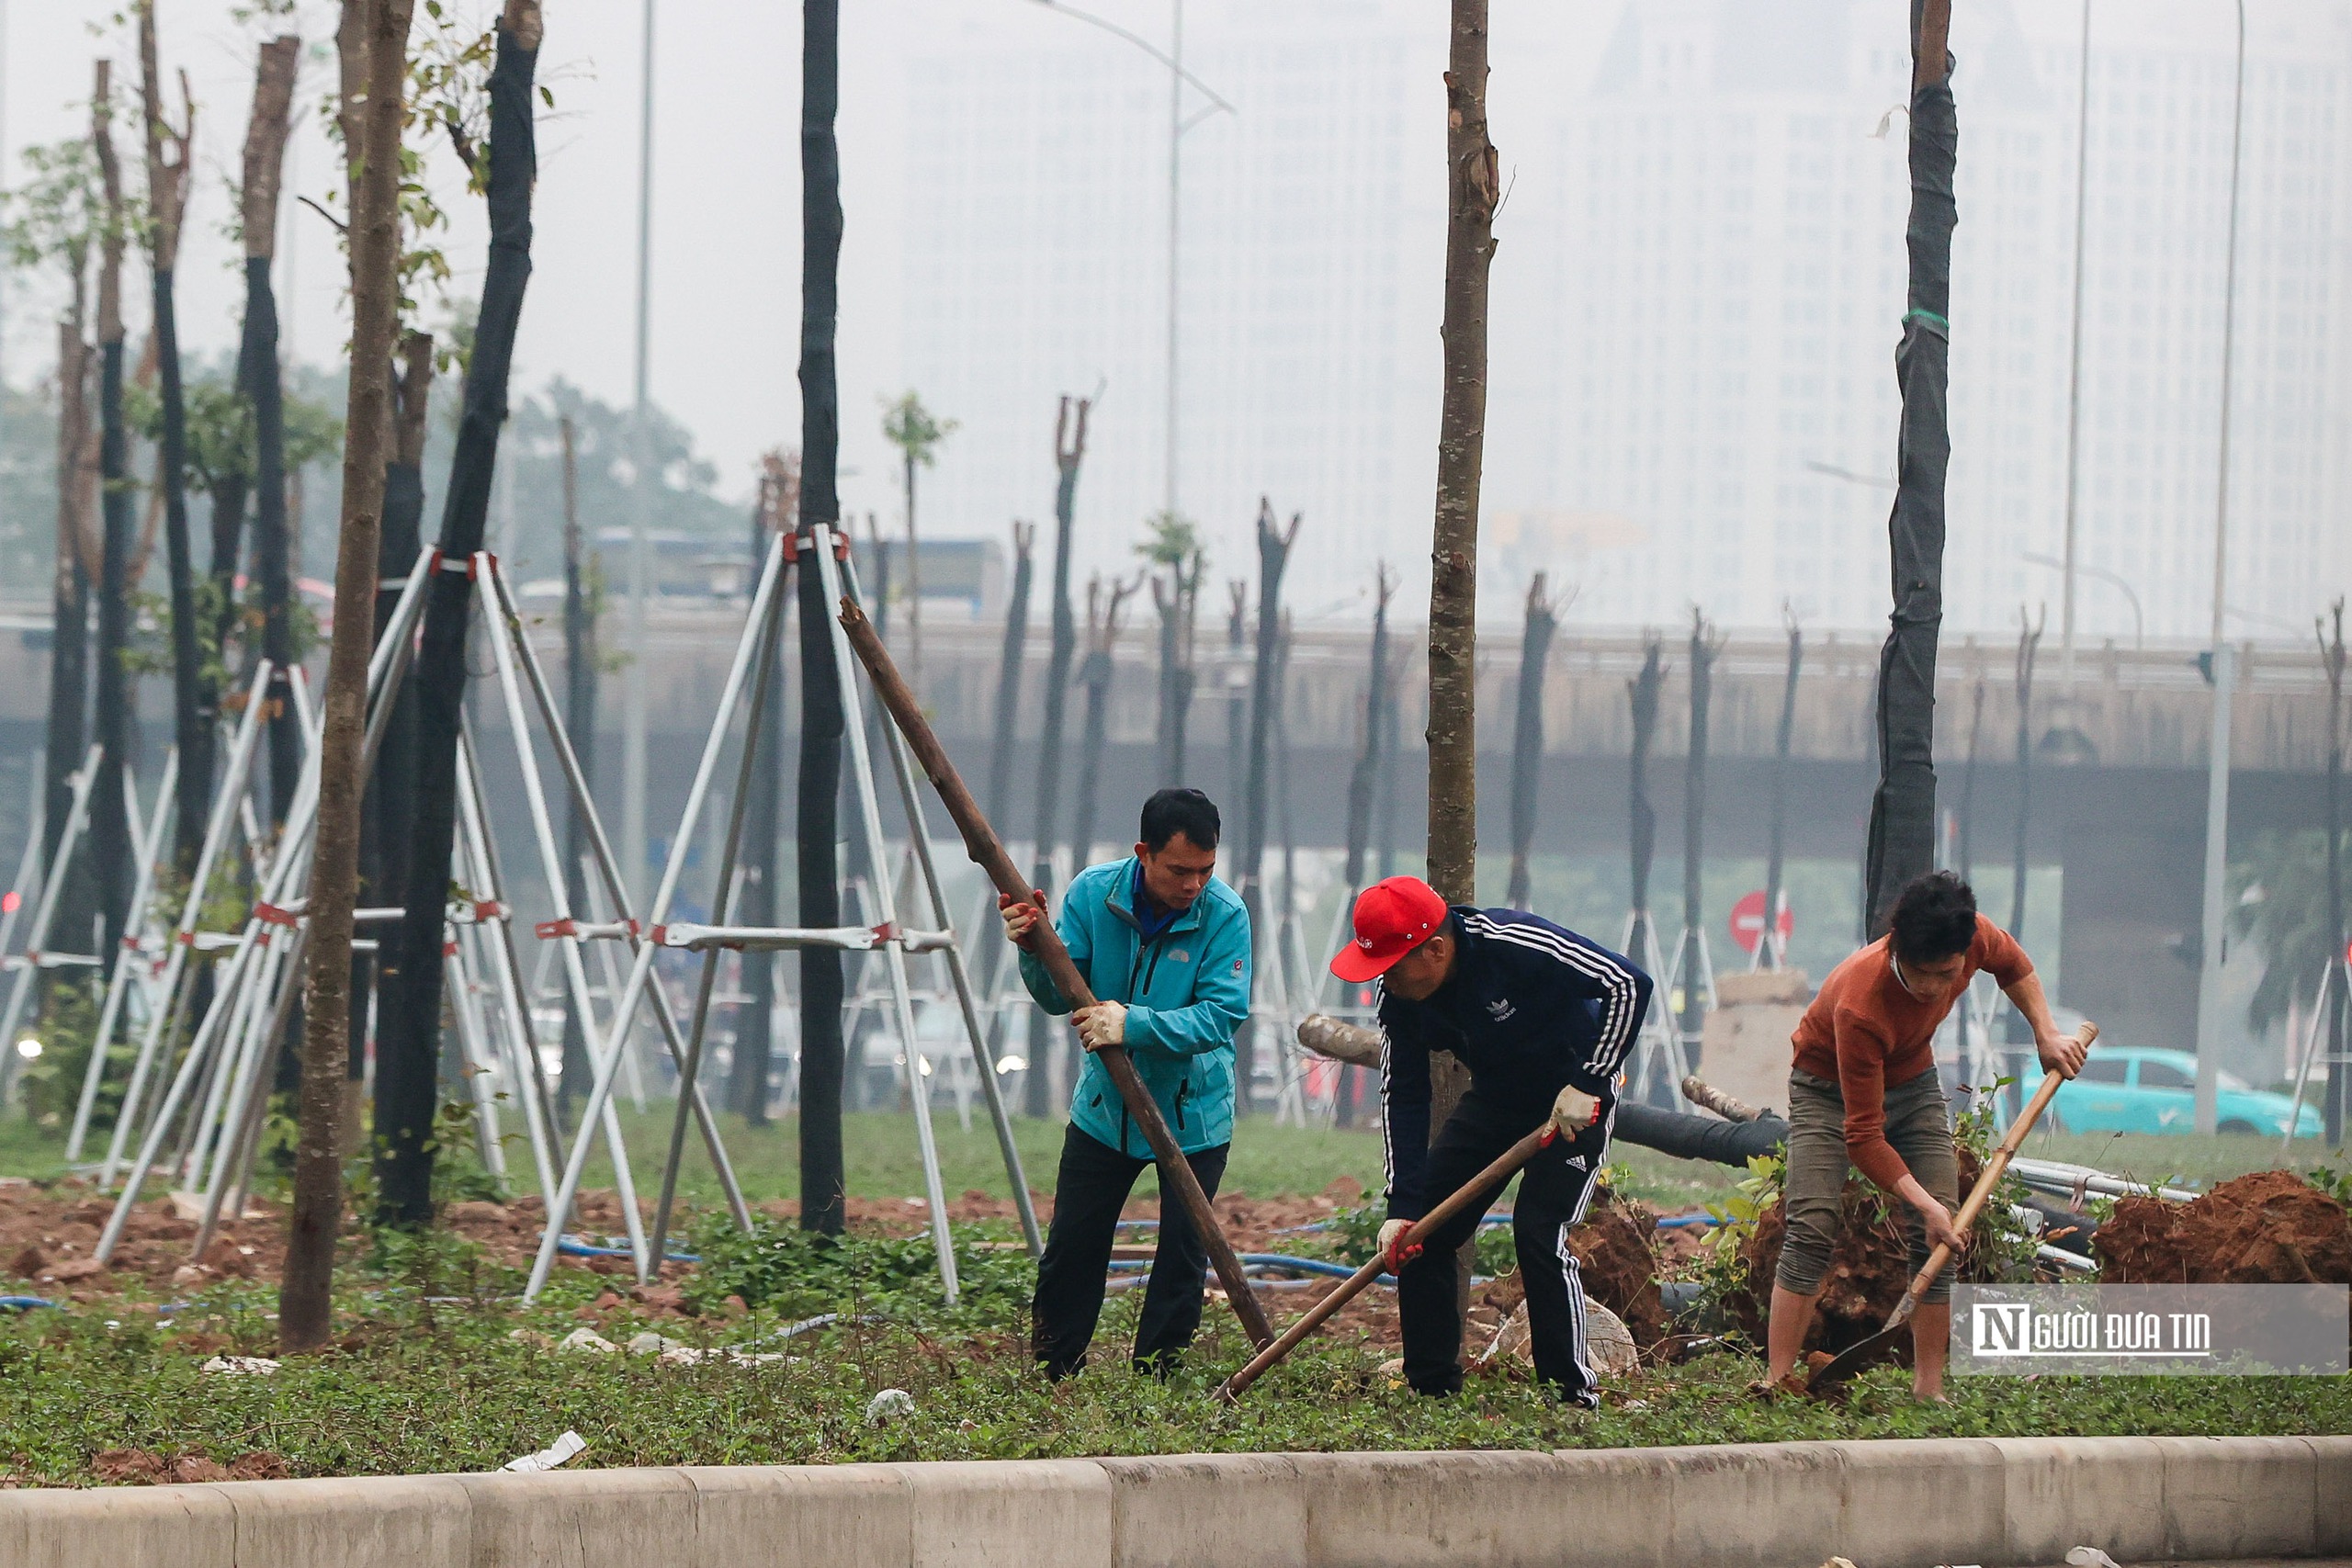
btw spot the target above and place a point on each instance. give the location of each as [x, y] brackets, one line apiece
[1391, 1232]
[1574, 1111]
[1940, 1230]
[1104, 1023]
[1021, 917]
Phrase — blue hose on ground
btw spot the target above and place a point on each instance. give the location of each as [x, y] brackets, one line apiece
[572, 1246]
[24, 1304]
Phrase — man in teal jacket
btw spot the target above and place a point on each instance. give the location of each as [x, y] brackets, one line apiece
[1164, 947]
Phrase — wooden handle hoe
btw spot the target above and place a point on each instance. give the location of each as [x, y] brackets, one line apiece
[1355, 1284]
[987, 853]
[1869, 1353]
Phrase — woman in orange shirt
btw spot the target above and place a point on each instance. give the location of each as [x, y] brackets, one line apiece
[1865, 1089]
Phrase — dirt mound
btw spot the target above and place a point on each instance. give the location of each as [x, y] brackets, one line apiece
[1613, 1251]
[1868, 1270]
[2269, 1228]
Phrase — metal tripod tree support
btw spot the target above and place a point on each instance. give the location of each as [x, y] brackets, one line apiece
[887, 936]
[254, 958]
[33, 959]
[1659, 1063]
[517, 662]
[180, 943]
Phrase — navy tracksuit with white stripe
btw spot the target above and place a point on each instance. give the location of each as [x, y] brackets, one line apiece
[1529, 1008]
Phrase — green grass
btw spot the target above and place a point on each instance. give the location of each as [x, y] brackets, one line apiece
[439, 1385]
[1268, 1161]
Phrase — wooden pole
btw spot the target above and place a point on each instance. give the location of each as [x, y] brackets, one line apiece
[989, 854]
[1483, 1185]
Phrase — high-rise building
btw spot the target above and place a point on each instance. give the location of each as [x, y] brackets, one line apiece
[1697, 297]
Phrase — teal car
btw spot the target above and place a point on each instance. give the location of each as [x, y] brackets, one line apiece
[2141, 1091]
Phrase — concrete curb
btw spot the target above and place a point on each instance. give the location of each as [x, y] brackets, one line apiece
[1998, 1502]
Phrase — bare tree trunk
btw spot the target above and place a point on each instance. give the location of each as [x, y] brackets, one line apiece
[1070, 451]
[1266, 711]
[1236, 702]
[914, 582]
[1770, 954]
[823, 1199]
[1008, 669]
[1967, 848]
[67, 734]
[1903, 812]
[2021, 1032]
[1096, 675]
[1640, 837]
[408, 1049]
[1376, 716]
[1703, 648]
[167, 171]
[264, 166]
[265, 393]
[1527, 740]
[305, 1310]
[747, 1082]
[109, 827]
[2028, 652]
[388, 814]
[580, 721]
[1472, 187]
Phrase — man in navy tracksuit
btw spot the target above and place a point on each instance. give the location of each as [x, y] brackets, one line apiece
[1543, 1019]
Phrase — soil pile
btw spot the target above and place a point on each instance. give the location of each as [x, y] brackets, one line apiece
[2269, 1228]
[1868, 1270]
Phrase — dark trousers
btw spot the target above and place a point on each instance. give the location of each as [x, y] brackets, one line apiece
[1554, 1189]
[1089, 1190]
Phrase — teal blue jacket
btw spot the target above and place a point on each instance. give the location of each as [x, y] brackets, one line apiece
[1186, 991]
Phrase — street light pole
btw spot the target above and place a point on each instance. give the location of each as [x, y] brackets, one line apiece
[633, 716]
[1175, 222]
[2217, 783]
[2075, 364]
[1177, 80]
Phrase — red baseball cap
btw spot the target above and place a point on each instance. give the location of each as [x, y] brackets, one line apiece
[1392, 918]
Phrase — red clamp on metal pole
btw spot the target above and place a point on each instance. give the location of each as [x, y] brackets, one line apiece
[489, 909]
[635, 929]
[449, 948]
[660, 934]
[841, 542]
[548, 930]
[270, 914]
[188, 939]
[791, 548]
[886, 932]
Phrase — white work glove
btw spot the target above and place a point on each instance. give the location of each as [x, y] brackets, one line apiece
[1391, 1232]
[1574, 1111]
[1021, 918]
[1104, 1023]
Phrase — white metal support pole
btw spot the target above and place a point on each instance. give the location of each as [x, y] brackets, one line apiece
[521, 1062]
[510, 647]
[895, 956]
[960, 977]
[126, 960]
[600, 1092]
[755, 715]
[51, 885]
[28, 871]
[183, 939]
[385, 667]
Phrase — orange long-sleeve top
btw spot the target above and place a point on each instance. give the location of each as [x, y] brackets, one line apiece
[1866, 1030]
